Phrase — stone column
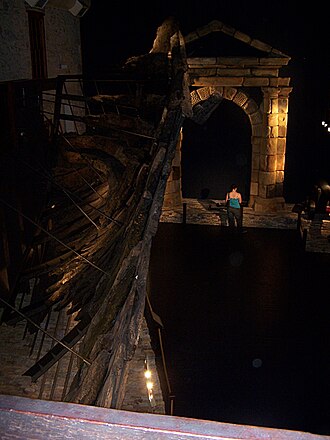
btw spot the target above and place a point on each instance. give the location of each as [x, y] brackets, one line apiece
[283, 107]
[173, 190]
[272, 150]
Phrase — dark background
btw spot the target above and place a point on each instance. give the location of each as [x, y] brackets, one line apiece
[115, 31]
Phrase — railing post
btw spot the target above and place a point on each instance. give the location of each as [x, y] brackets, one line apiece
[11, 113]
[184, 213]
[171, 397]
[304, 237]
[57, 106]
[299, 221]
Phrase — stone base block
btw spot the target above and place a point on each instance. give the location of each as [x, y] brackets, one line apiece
[260, 204]
[172, 200]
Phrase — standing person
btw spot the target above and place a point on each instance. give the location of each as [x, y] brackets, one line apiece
[234, 212]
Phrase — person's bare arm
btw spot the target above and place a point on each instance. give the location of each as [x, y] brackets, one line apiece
[240, 198]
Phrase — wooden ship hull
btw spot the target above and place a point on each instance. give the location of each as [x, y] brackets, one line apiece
[105, 190]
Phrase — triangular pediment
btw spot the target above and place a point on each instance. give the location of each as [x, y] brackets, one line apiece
[217, 39]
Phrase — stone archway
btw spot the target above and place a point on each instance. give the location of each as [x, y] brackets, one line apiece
[226, 77]
[239, 98]
[268, 140]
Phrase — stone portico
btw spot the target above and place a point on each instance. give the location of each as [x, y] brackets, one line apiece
[213, 79]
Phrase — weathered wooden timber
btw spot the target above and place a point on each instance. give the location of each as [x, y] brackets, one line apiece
[96, 238]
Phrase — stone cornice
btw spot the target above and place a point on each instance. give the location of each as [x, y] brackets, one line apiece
[202, 81]
[230, 62]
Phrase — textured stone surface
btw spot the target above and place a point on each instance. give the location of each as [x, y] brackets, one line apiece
[62, 34]
[15, 61]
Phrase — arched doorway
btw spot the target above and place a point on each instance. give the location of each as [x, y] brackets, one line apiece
[268, 120]
[217, 153]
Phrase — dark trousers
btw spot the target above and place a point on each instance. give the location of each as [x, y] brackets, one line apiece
[234, 214]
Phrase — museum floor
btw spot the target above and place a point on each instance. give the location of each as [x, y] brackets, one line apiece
[206, 212]
[245, 319]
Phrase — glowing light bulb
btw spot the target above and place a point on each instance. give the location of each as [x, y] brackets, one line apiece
[147, 374]
[149, 385]
[150, 395]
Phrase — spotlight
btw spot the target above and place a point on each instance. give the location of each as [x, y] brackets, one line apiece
[147, 374]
